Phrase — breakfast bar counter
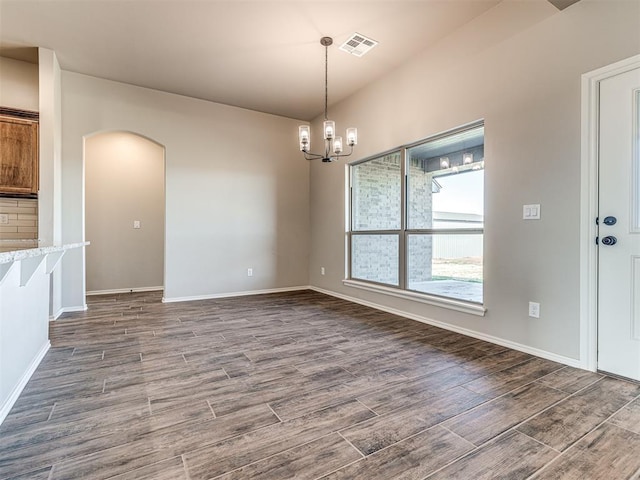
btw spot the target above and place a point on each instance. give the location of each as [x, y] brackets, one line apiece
[24, 315]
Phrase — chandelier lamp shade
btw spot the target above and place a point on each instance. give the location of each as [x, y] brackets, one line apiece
[333, 144]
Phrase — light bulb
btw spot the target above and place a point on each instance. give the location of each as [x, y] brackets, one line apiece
[329, 129]
[304, 136]
[337, 145]
[352, 136]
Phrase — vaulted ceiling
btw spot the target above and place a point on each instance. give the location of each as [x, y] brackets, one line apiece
[261, 55]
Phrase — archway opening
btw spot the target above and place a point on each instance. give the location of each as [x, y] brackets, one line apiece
[124, 213]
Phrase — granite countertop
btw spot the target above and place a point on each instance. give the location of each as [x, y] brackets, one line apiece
[8, 257]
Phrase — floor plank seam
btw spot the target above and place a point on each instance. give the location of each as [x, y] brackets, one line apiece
[455, 434]
[488, 401]
[368, 408]
[620, 426]
[569, 395]
[185, 467]
[564, 452]
[352, 445]
[324, 475]
[446, 465]
[585, 387]
[274, 412]
[545, 466]
[559, 452]
[51, 412]
[537, 414]
[212, 411]
[237, 469]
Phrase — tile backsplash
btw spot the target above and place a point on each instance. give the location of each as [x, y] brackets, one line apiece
[21, 229]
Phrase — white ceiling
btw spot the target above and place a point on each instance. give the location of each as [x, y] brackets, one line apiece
[261, 55]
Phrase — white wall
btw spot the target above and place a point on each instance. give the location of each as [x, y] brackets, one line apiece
[519, 67]
[24, 326]
[237, 191]
[50, 161]
[18, 84]
[124, 182]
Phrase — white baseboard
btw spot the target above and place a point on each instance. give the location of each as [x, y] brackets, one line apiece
[125, 290]
[235, 294]
[11, 400]
[572, 362]
[79, 308]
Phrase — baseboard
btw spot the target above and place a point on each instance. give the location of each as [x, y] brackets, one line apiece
[572, 362]
[80, 308]
[11, 400]
[235, 294]
[125, 290]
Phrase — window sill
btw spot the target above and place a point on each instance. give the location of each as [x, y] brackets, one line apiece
[451, 304]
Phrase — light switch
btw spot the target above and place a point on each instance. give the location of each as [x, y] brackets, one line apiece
[531, 212]
[4, 218]
[136, 224]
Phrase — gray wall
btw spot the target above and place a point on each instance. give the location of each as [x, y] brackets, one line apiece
[124, 182]
[237, 191]
[519, 67]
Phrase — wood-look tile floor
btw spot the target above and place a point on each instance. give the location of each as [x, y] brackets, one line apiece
[302, 385]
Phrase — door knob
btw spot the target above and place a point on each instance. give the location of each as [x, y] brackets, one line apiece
[609, 240]
[610, 220]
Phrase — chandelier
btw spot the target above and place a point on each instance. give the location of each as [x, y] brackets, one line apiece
[333, 146]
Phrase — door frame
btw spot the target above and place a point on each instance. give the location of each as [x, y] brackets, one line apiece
[589, 206]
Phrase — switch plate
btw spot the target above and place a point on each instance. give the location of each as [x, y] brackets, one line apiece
[4, 218]
[531, 212]
[534, 309]
[136, 224]
[249, 272]
[321, 270]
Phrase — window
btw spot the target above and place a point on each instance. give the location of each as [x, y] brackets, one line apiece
[417, 217]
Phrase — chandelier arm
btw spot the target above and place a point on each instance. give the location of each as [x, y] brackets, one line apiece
[343, 154]
[312, 156]
[328, 156]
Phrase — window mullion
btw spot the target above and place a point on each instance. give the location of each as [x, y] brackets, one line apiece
[402, 257]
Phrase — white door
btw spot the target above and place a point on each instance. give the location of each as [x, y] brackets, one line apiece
[619, 226]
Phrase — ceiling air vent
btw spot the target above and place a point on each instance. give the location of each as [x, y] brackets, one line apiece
[358, 45]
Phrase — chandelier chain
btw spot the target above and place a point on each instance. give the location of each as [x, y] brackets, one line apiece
[326, 81]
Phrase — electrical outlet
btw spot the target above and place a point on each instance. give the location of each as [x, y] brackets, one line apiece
[534, 309]
[249, 272]
[321, 270]
[136, 224]
[4, 218]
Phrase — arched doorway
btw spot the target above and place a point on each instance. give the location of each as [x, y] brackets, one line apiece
[124, 213]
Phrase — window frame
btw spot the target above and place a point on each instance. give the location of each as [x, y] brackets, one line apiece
[402, 290]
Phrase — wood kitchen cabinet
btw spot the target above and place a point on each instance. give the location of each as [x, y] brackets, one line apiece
[18, 153]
